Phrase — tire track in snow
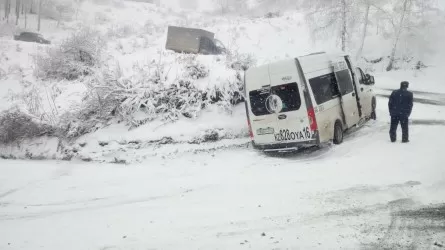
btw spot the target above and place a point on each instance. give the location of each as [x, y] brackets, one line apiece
[9, 192]
[44, 214]
[90, 206]
[411, 227]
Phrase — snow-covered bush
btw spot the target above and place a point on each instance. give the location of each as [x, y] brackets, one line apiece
[151, 91]
[2, 74]
[209, 135]
[228, 94]
[272, 14]
[151, 29]
[144, 96]
[16, 125]
[73, 58]
[75, 124]
[240, 61]
[403, 63]
[7, 29]
[101, 18]
[196, 70]
[120, 31]
[37, 99]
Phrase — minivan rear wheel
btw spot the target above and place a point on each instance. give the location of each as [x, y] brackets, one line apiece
[373, 113]
[338, 133]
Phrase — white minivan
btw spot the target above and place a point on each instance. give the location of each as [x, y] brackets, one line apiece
[306, 101]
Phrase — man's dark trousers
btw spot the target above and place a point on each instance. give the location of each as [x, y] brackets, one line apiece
[395, 120]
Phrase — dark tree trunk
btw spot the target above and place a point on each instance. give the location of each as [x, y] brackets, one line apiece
[40, 15]
[344, 30]
[17, 11]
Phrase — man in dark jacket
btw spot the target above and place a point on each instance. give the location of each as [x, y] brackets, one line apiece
[400, 106]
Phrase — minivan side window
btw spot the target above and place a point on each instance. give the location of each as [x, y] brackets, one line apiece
[288, 93]
[344, 82]
[324, 88]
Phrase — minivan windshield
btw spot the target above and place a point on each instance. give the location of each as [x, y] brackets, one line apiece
[288, 93]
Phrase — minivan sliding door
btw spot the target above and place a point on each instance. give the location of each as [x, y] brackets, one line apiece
[347, 93]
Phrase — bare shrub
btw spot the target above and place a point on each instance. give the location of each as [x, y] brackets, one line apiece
[96, 110]
[196, 70]
[7, 29]
[101, 18]
[75, 124]
[120, 31]
[38, 100]
[227, 95]
[151, 29]
[73, 58]
[272, 14]
[240, 61]
[144, 96]
[147, 94]
[2, 74]
[16, 125]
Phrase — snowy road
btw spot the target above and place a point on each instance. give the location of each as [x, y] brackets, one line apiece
[364, 194]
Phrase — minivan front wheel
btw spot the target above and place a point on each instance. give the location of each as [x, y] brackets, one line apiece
[338, 133]
[373, 115]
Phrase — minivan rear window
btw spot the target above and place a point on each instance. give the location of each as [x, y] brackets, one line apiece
[258, 101]
[288, 93]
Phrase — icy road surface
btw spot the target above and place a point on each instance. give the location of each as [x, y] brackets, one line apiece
[364, 194]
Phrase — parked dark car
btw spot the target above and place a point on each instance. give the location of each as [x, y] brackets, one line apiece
[31, 37]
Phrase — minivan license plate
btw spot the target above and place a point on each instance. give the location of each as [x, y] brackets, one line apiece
[265, 131]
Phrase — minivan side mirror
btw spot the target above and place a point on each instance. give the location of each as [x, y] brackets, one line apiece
[370, 79]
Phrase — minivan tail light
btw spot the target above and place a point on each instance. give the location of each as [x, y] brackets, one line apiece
[312, 120]
[250, 129]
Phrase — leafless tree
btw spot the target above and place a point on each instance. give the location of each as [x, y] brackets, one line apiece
[31, 9]
[223, 5]
[25, 13]
[62, 7]
[399, 29]
[409, 18]
[40, 16]
[7, 9]
[332, 16]
[26, 4]
[17, 11]
[367, 6]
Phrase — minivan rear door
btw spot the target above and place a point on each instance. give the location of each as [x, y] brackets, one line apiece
[292, 120]
[347, 92]
[292, 117]
[262, 120]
